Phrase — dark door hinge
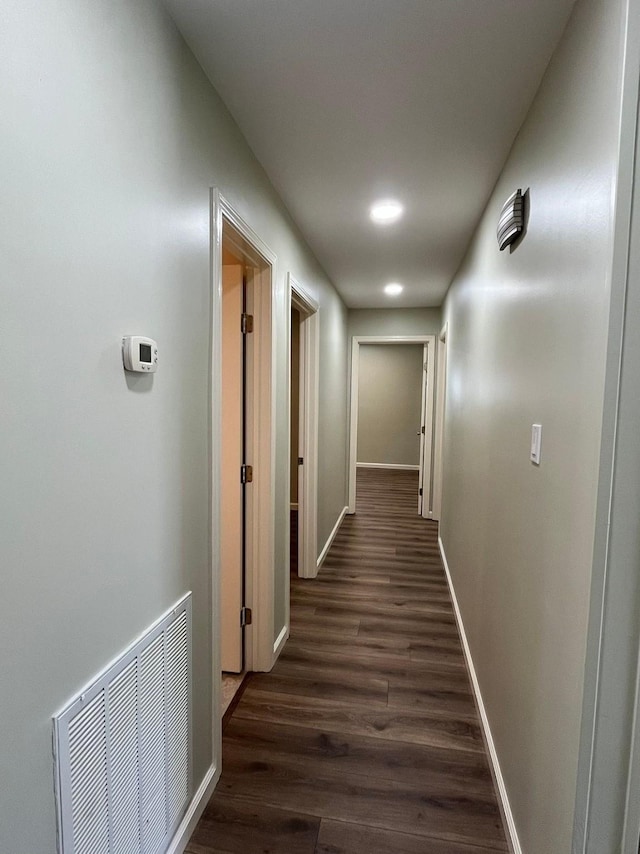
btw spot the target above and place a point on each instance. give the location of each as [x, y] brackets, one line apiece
[300, 461]
[246, 323]
[423, 429]
[420, 491]
[246, 474]
[245, 617]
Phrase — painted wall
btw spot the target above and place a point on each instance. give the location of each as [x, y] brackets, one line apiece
[389, 401]
[111, 137]
[332, 418]
[527, 338]
[394, 321]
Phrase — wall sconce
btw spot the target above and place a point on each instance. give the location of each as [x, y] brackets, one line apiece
[511, 222]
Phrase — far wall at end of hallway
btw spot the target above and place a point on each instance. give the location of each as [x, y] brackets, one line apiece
[389, 403]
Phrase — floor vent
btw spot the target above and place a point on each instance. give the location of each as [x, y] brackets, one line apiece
[122, 747]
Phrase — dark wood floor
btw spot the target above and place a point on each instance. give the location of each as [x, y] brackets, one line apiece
[364, 738]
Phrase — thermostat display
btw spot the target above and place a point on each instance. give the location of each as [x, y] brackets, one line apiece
[139, 354]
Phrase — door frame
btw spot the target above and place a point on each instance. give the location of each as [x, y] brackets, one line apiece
[607, 806]
[441, 402]
[309, 387]
[261, 522]
[426, 440]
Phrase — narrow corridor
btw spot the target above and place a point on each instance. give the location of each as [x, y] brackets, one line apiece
[364, 739]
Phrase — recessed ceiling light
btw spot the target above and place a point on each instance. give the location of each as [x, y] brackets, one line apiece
[386, 211]
[393, 289]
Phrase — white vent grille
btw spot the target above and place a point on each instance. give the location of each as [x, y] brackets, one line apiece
[123, 747]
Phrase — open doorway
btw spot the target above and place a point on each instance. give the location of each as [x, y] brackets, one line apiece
[396, 402]
[233, 505]
[304, 389]
[242, 487]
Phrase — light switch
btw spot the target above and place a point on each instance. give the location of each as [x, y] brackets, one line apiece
[536, 440]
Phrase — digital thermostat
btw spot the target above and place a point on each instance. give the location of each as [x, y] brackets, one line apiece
[139, 354]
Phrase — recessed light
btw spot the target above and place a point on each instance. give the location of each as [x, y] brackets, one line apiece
[393, 289]
[386, 211]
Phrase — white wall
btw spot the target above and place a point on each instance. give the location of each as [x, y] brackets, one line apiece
[111, 137]
[527, 339]
[394, 321]
[332, 418]
[389, 403]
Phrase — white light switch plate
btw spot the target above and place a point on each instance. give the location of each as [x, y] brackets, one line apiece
[536, 440]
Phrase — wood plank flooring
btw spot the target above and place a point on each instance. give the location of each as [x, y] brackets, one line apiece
[364, 739]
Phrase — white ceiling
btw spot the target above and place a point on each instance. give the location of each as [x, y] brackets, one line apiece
[346, 101]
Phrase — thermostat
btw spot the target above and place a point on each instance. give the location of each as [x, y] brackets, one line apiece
[139, 354]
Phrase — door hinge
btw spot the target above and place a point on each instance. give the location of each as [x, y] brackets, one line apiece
[246, 323]
[423, 429]
[300, 461]
[246, 474]
[245, 617]
[420, 491]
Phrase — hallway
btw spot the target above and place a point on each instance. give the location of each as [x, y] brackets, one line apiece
[364, 738]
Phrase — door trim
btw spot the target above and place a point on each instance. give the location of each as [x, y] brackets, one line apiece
[308, 436]
[607, 807]
[426, 437]
[260, 552]
[428, 341]
[438, 449]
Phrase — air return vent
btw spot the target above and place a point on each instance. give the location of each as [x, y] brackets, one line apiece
[123, 747]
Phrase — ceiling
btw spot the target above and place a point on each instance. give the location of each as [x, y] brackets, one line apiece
[347, 101]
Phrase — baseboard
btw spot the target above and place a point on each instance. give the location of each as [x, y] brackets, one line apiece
[332, 537]
[503, 798]
[387, 466]
[280, 641]
[195, 809]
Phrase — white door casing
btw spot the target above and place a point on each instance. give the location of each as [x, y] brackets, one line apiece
[259, 644]
[308, 426]
[441, 396]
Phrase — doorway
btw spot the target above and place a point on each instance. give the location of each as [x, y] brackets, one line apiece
[303, 398]
[422, 430]
[237, 382]
[242, 489]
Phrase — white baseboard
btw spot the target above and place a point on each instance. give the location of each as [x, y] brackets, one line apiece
[332, 537]
[280, 641]
[195, 809]
[387, 466]
[503, 798]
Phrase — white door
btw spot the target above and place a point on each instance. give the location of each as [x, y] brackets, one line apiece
[231, 511]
